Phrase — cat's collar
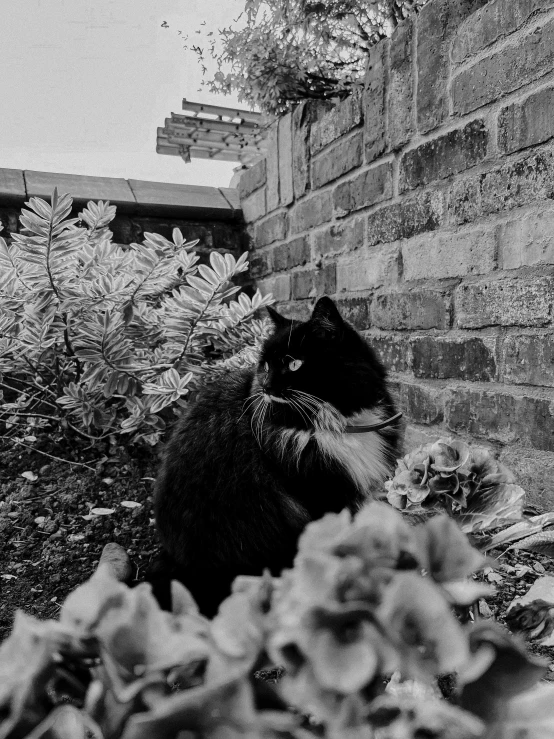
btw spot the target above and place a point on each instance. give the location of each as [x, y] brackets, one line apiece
[372, 426]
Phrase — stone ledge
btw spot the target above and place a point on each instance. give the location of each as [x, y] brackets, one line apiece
[131, 197]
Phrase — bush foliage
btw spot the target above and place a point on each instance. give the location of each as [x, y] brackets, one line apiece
[283, 51]
[102, 339]
[367, 599]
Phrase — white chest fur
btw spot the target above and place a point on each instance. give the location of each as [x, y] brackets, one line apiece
[363, 456]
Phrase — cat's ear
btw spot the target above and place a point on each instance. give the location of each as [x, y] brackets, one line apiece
[325, 316]
[279, 321]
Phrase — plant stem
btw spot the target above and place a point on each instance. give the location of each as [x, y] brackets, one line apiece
[52, 456]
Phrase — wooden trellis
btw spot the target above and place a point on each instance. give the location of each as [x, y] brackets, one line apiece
[212, 132]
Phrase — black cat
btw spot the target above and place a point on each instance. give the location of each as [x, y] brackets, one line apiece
[264, 451]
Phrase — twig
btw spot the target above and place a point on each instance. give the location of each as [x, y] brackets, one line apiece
[52, 456]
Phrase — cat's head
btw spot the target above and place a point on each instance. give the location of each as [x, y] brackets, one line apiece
[321, 359]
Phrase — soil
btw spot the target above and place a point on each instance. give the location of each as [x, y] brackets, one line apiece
[47, 546]
[50, 542]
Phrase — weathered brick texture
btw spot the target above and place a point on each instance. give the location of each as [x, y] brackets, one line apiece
[294, 253]
[454, 357]
[504, 72]
[367, 188]
[417, 309]
[454, 152]
[495, 20]
[450, 255]
[345, 156]
[527, 123]
[424, 206]
[503, 416]
[508, 302]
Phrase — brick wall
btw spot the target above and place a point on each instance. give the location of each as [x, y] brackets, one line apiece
[425, 207]
[211, 214]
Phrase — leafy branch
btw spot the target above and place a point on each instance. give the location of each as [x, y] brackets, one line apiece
[91, 330]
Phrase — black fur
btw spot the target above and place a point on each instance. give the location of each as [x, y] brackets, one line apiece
[229, 503]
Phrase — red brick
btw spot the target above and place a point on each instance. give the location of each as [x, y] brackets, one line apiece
[272, 167]
[436, 23]
[252, 179]
[528, 359]
[311, 212]
[407, 218]
[393, 350]
[298, 311]
[503, 416]
[303, 284]
[504, 72]
[446, 155]
[278, 285]
[260, 264]
[375, 101]
[332, 124]
[367, 188]
[286, 192]
[294, 253]
[400, 97]
[345, 235]
[418, 309]
[355, 311]
[368, 268]
[528, 123]
[505, 302]
[301, 122]
[460, 358]
[497, 19]
[450, 254]
[253, 206]
[420, 403]
[337, 161]
[510, 186]
[273, 228]
[527, 240]
[325, 279]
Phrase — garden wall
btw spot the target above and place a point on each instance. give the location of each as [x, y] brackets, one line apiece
[425, 207]
[207, 213]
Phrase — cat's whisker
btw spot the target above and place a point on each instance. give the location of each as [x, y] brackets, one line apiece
[253, 420]
[310, 396]
[251, 399]
[307, 401]
[302, 412]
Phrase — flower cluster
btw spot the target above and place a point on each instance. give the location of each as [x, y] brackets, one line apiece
[464, 481]
[356, 607]
[367, 598]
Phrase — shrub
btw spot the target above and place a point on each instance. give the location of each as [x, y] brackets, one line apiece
[100, 339]
[355, 609]
[284, 51]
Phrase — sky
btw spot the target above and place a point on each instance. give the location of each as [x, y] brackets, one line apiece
[84, 85]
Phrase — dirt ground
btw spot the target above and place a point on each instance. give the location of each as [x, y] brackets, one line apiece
[50, 542]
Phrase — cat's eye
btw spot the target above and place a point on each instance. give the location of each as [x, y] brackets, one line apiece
[266, 367]
[295, 364]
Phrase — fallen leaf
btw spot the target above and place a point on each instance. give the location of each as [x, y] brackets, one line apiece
[40, 519]
[28, 475]
[9, 577]
[485, 609]
[30, 439]
[102, 511]
[75, 537]
[130, 504]
[108, 480]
